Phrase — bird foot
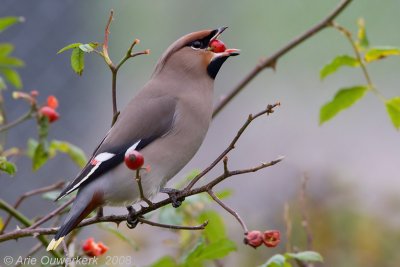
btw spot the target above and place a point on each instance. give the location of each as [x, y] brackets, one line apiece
[174, 194]
[132, 220]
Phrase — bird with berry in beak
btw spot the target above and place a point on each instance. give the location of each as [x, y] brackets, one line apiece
[166, 122]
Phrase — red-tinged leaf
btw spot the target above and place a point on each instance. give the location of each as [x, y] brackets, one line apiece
[377, 53]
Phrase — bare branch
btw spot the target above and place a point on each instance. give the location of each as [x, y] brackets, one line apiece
[29, 194]
[273, 59]
[268, 110]
[52, 214]
[176, 227]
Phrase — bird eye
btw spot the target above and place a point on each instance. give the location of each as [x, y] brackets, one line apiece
[197, 44]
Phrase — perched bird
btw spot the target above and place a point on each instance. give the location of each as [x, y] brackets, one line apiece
[166, 121]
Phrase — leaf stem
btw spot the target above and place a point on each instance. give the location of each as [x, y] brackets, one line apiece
[21, 119]
[353, 44]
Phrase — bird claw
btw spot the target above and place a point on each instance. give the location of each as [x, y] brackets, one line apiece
[132, 220]
[174, 195]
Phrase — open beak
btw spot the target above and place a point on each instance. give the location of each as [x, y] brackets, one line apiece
[221, 52]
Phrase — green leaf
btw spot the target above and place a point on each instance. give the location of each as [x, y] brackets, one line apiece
[165, 261]
[7, 167]
[343, 99]
[118, 234]
[225, 193]
[12, 77]
[338, 62]
[68, 47]
[218, 249]
[1, 224]
[6, 49]
[77, 60]
[6, 22]
[376, 53]
[8, 62]
[215, 230]
[362, 34]
[213, 251]
[170, 215]
[40, 156]
[87, 48]
[75, 153]
[310, 256]
[31, 147]
[277, 260]
[393, 109]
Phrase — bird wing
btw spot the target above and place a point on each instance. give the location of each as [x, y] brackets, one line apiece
[138, 125]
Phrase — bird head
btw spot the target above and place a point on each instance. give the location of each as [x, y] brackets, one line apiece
[197, 53]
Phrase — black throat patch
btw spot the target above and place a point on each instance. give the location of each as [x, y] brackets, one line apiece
[215, 65]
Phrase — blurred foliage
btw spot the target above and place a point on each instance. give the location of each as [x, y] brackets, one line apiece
[42, 150]
[280, 260]
[343, 233]
[196, 248]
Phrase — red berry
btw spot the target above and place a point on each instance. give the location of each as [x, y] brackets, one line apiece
[93, 249]
[254, 239]
[133, 159]
[271, 238]
[217, 46]
[52, 101]
[50, 113]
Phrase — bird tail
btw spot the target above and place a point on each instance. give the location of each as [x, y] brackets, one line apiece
[81, 208]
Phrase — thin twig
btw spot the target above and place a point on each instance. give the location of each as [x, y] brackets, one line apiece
[268, 110]
[303, 210]
[230, 210]
[139, 183]
[272, 60]
[105, 42]
[29, 194]
[26, 222]
[288, 226]
[52, 214]
[114, 68]
[144, 210]
[21, 119]
[176, 227]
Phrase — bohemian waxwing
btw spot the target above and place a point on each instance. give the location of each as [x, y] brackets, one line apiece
[166, 121]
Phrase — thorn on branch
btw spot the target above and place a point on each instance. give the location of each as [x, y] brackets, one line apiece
[225, 161]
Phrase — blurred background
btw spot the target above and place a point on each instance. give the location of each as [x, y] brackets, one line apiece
[352, 161]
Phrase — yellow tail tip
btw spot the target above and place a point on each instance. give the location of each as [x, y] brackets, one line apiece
[54, 243]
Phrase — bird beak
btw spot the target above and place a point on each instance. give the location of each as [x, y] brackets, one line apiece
[227, 51]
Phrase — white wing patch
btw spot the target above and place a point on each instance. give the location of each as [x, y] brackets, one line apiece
[95, 162]
[134, 145]
[100, 158]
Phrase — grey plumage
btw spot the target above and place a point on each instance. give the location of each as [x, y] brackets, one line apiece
[167, 121]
